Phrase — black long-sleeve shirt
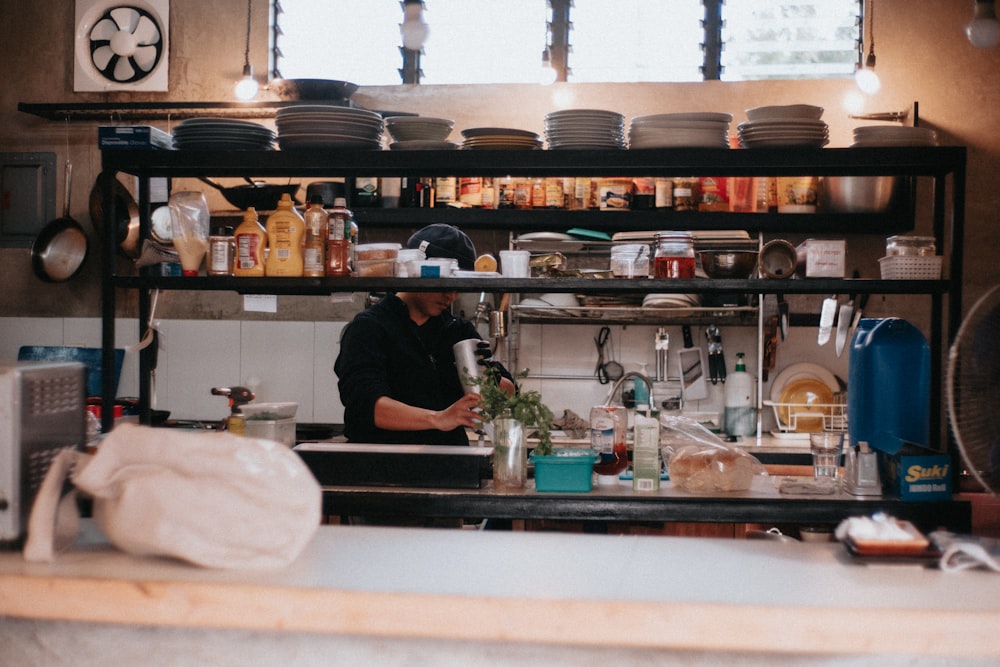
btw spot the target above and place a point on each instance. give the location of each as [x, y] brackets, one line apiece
[384, 353]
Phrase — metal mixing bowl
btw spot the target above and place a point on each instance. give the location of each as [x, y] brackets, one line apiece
[859, 194]
[728, 263]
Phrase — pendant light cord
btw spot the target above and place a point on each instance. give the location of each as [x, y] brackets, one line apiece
[246, 53]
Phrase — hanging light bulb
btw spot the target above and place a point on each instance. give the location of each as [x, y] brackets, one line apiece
[413, 29]
[548, 74]
[865, 75]
[247, 87]
[984, 29]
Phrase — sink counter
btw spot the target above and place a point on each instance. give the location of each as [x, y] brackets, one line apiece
[503, 598]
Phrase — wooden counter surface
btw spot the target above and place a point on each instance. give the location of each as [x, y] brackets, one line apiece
[554, 589]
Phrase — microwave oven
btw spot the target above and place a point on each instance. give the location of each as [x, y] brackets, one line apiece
[42, 411]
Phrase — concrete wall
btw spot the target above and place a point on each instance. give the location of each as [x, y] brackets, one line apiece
[922, 56]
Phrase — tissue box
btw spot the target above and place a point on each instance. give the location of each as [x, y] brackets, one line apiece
[916, 474]
[822, 258]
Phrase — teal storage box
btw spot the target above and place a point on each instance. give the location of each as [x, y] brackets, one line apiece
[565, 470]
[916, 474]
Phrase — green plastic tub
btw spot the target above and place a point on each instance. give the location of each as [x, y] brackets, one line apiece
[564, 471]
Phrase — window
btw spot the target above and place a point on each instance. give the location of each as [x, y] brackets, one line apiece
[501, 41]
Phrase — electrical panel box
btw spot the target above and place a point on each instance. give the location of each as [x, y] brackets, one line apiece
[27, 196]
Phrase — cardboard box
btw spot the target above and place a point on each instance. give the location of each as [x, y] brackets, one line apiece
[916, 474]
[133, 137]
[822, 258]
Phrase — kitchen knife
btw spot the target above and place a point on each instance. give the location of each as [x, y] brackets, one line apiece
[826, 318]
[844, 319]
[862, 302]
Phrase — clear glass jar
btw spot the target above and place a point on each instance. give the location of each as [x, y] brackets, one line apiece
[630, 260]
[914, 246]
[674, 256]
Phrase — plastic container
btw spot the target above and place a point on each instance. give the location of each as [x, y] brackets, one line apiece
[404, 258]
[608, 426]
[251, 240]
[910, 267]
[316, 233]
[630, 260]
[432, 267]
[376, 259]
[739, 415]
[565, 471]
[914, 246]
[888, 400]
[285, 232]
[278, 430]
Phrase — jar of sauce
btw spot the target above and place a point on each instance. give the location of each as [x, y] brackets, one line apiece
[674, 256]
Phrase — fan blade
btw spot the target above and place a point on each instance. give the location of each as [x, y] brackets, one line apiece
[102, 56]
[126, 17]
[123, 70]
[103, 30]
[146, 32]
[145, 58]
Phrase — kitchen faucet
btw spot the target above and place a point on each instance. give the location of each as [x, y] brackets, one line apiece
[620, 381]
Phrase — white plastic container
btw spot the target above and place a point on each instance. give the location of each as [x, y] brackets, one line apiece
[630, 260]
[739, 416]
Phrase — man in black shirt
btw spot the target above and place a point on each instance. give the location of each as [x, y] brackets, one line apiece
[396, 369]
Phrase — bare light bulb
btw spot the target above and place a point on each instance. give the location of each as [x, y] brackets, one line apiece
[865, 77]
[984, 29]
[413, 29]
[247, 87]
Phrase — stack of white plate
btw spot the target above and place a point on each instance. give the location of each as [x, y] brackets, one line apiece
[671, 301]
[317, 125]
[491, 138]
[222, 134]
[680, 130]
[894, 135]
[418, 128]
[585, 129]
[784, 125]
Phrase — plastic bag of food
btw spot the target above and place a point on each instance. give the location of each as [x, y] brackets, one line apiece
[699, 462]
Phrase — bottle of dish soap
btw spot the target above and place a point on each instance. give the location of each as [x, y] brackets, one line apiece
[251, 239]
[739, 416]
[285, 232]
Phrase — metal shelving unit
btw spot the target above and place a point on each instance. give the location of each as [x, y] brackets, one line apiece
[944, 165]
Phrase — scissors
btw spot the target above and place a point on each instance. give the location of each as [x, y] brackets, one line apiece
[606, 371]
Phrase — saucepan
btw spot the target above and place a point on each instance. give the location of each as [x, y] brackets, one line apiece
[261, 196]
[60, 249]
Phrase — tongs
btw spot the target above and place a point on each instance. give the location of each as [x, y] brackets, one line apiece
[716, 360]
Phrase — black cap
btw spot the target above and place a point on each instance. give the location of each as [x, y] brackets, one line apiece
[441, 240]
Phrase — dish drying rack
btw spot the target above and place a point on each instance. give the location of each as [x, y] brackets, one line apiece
[787, 415]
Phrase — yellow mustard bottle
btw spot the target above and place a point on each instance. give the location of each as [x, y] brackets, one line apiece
[251, 239]
[285, 235]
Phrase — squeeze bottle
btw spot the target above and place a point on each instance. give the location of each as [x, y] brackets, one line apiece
[285, 231]
[314, 246]
[251, 239]
[739, 416]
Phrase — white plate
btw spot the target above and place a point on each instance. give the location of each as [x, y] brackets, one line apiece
[801, 370]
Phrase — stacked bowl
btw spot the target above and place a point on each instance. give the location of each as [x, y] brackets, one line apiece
[784, 125]
[418, 132]
[319, 125]
[680, 130]
[893, 135]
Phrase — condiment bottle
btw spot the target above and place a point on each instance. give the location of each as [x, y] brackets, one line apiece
[674, 255]
[285, 231]
[251, 239]
[220, 252]
[338, 243]
[314, 247]
[739, 416]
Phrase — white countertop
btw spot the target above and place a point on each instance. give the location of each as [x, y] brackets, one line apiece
[582, 590]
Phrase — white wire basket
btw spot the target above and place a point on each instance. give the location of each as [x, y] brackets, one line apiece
[800, 417]
[911, 267]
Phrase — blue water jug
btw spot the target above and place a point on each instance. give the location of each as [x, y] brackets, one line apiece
[888, 386]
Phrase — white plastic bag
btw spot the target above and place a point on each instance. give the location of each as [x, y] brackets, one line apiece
[699, 462]
[212, 499]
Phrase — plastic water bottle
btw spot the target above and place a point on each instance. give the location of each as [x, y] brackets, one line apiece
[739, 415]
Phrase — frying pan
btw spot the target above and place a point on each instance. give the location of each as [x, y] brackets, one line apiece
[261, 196]
[126, 224]
[60, 249]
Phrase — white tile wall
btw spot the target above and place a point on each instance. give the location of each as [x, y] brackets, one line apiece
[293, 361]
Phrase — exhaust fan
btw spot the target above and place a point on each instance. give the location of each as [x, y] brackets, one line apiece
[121, 45]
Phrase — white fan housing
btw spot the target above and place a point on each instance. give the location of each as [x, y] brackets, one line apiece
[121, 45]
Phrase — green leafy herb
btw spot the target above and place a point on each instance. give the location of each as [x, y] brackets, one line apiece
[525, 406]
